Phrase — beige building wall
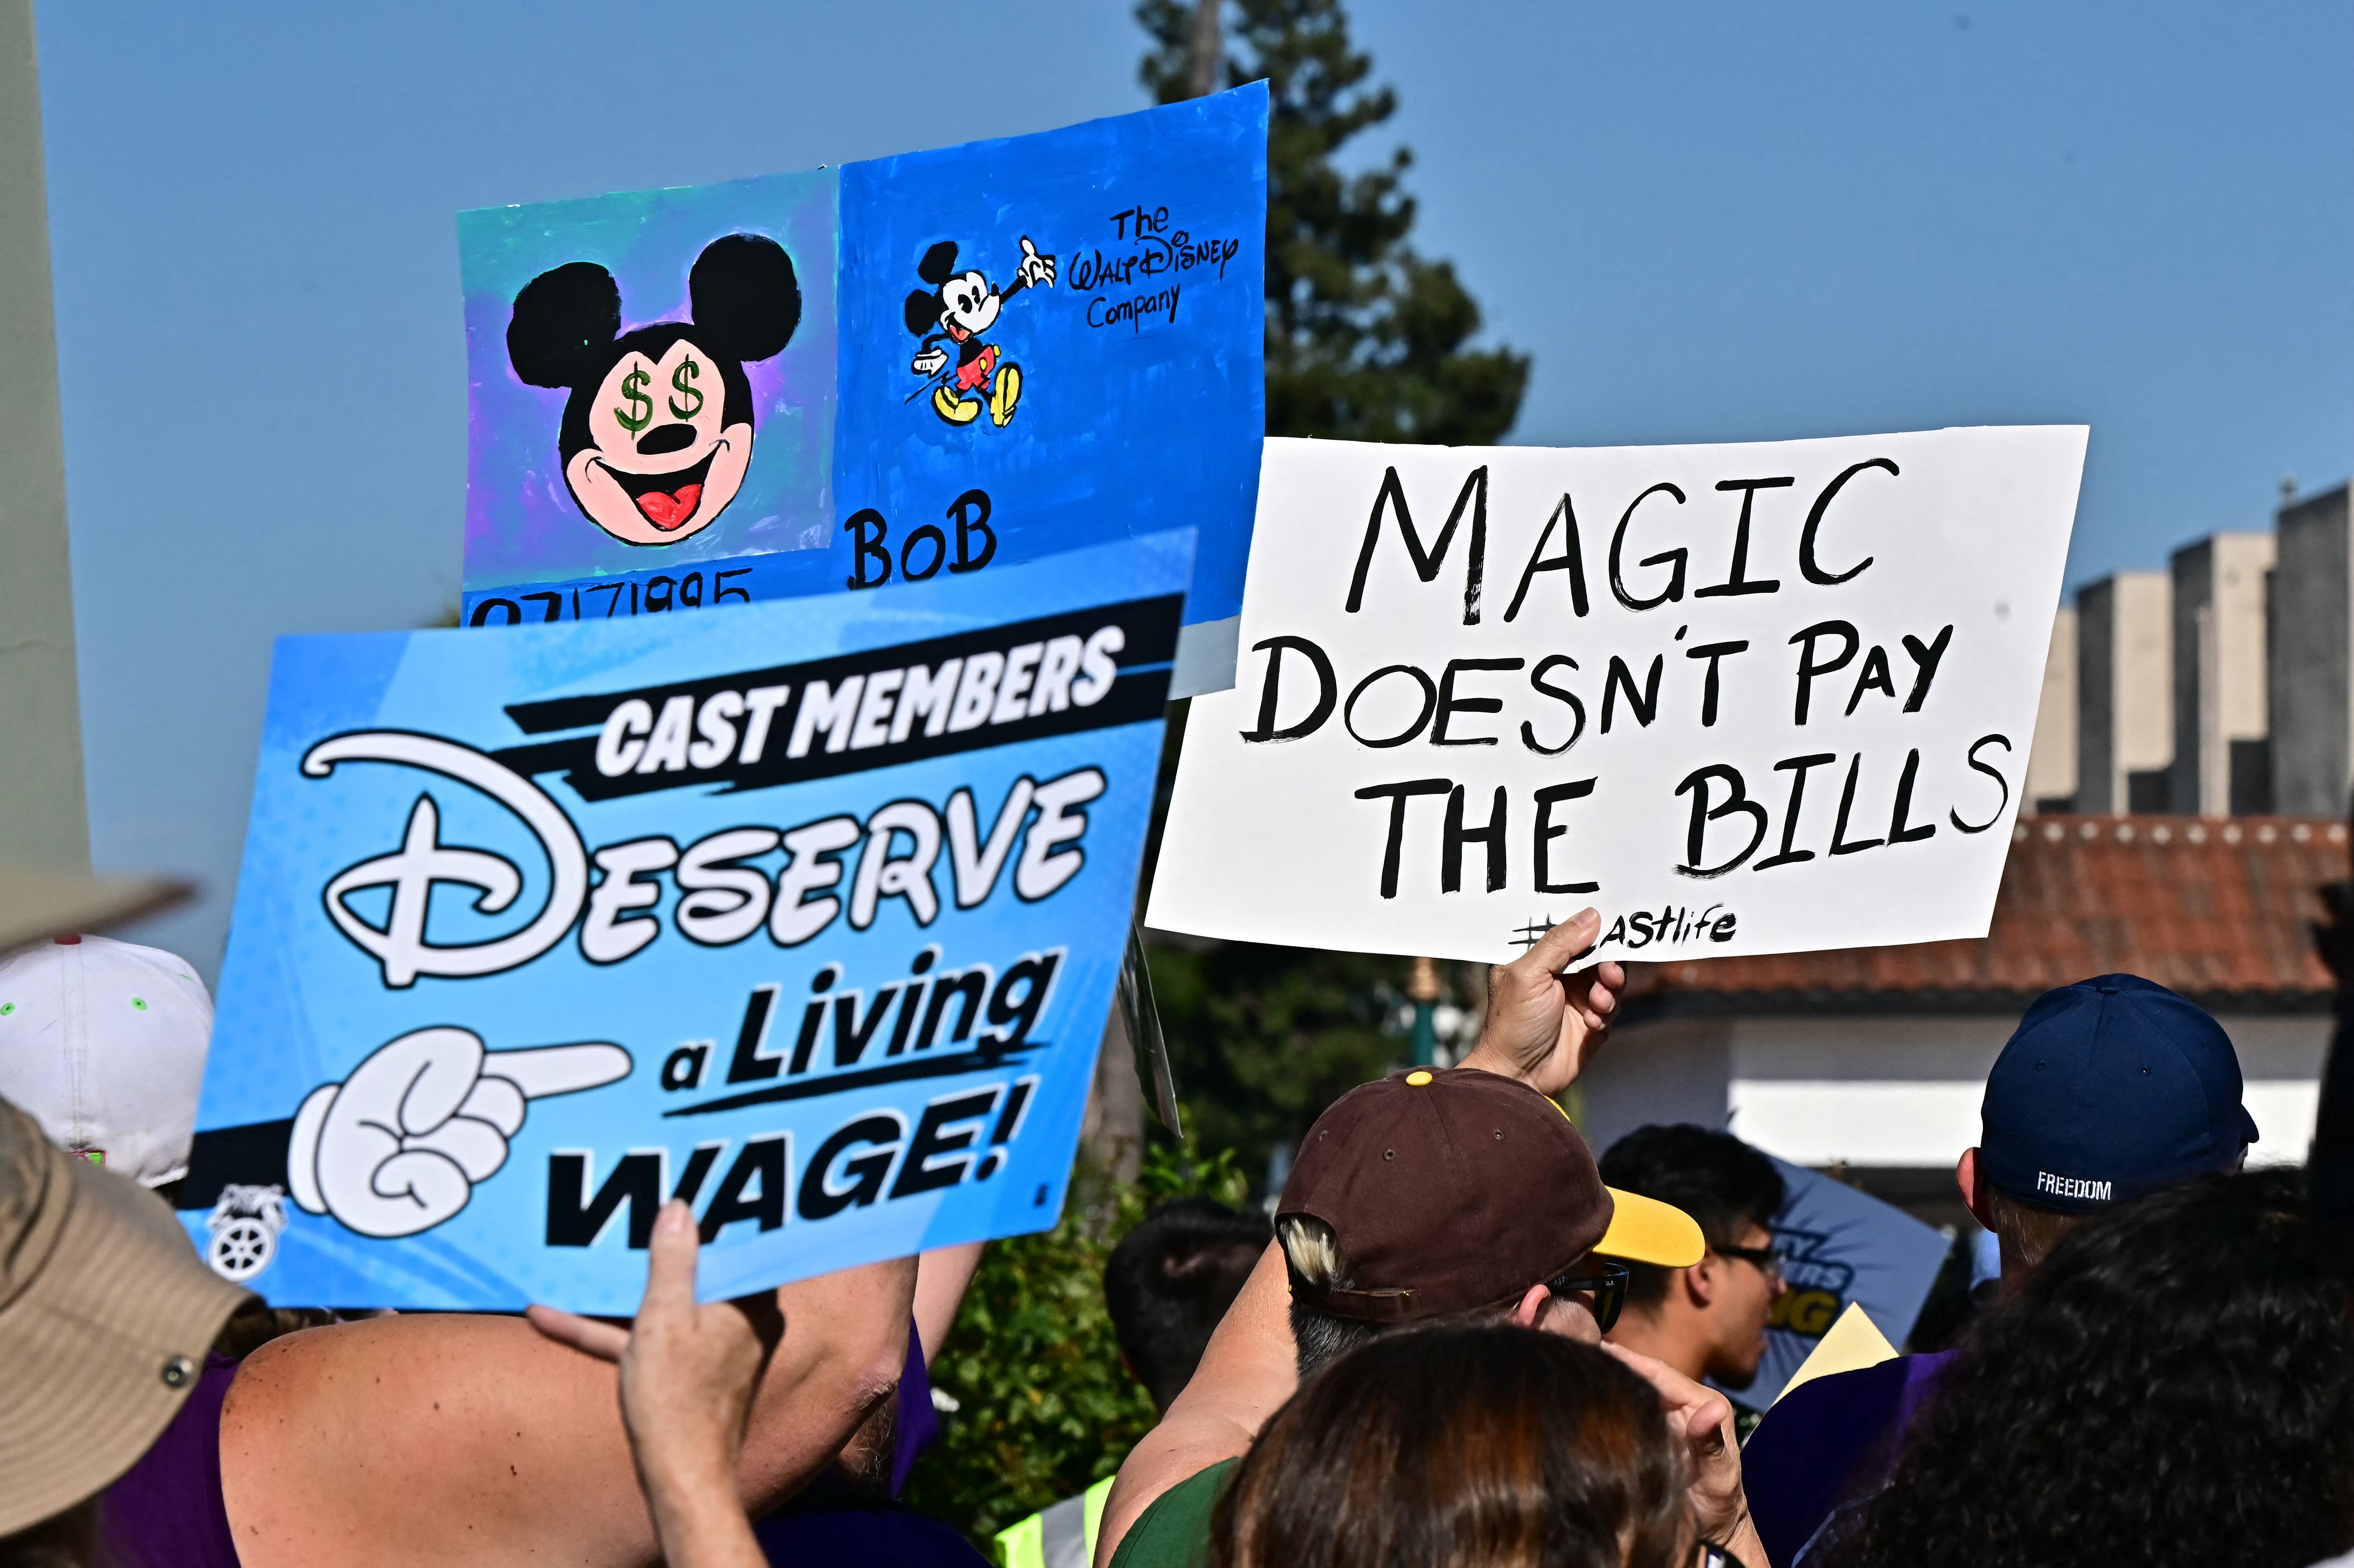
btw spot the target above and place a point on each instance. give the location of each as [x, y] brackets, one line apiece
[2222, 717]
[2051, 759]
[1901, 1090]
[2125, 692]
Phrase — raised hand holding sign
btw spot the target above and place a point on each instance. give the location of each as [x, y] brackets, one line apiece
[397, 1147]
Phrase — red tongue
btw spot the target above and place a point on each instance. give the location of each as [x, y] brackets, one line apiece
[667, 512]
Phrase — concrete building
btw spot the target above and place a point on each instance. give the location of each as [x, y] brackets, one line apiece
[2051, 758]
[1874, 1059]
[2222, 765]
[2124, 693]
[2312, 647]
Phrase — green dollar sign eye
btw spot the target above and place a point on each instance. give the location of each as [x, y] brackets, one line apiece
[687, 371]
[140, 1002]
[7, 1008]
[641, 411]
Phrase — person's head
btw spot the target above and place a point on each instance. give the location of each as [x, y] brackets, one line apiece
[1461, 1194]
[1462, 1444]
[103, 1043]
[1170, 1279]
[2109, 1088]
[2175, 1384]
[105, 1316]
[1707, 1320]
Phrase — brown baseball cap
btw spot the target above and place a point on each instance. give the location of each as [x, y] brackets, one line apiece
[1456, 1190]
[105, 1315]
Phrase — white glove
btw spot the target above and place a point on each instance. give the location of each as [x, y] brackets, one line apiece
[1035, 269]
[930, 362]
[397, 1147]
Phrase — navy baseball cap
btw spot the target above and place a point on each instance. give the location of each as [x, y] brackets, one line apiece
[2110, 1086]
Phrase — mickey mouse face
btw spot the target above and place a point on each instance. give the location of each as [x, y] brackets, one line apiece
[662, 460]
[657, 434]
[961, 303]
[969, 304]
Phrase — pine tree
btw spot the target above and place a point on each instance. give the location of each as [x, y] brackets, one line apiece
[1364, 341]
[1364, 337]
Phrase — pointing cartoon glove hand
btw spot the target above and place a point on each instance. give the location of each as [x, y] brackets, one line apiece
[397, 1147]
[931, 362]
[1035, 269]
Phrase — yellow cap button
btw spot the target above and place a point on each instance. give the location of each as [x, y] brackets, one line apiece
[1418, 1078]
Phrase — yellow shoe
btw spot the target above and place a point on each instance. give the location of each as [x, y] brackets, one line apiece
[1004, 394]
[956, 410]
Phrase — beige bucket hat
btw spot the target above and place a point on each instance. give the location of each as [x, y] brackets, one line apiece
[34, 905]
[105, 1315]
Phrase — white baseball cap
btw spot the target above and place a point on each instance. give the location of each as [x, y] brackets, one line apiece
[103, 1043]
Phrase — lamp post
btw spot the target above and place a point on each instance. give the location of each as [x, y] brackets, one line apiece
[1422, 989]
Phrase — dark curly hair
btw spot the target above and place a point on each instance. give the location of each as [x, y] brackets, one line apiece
[1712, 1176]
[1170, 1281]
[1490, 1444]
[2175, 1385]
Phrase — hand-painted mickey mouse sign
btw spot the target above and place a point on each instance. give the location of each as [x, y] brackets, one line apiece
[932, 363]
[959, 309]
[657, 434]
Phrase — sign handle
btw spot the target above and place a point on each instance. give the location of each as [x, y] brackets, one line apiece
[1142, 1016]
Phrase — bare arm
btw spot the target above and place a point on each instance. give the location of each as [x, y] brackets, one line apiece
[942, 1277]
[1542, 1027]
[454, 1439]
[1246, 1373]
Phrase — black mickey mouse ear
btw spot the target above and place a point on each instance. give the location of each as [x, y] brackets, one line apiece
[746, 302]
[922, 311]
[938, 264]
[564, 321]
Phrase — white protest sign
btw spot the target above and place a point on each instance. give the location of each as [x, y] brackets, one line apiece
[1752, 698]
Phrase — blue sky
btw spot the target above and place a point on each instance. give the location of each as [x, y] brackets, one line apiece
[1706, 221]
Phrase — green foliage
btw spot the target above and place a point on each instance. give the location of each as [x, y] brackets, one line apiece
[1262, 1039]
[1365, 339]
[1045, 1407]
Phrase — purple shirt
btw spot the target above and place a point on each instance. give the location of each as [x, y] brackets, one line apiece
[1826, 1444]
[831, 1523]
[919, 1424]
[167, 1511]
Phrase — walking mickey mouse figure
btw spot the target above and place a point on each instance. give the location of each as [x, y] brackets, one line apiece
[658, 432]
[959, 308]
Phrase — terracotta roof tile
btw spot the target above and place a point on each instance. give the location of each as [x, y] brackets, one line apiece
[2209, 907]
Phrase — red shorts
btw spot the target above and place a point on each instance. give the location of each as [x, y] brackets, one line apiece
[973, 374]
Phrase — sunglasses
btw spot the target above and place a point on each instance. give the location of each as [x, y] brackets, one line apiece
[1609, 1289]
[1766, 1259]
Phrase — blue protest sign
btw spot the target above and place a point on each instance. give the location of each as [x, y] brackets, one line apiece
[1136, 353]
[809, 914]
[1840, 1245]
[921, 366]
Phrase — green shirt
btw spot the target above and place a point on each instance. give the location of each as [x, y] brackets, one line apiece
[1175, 1532]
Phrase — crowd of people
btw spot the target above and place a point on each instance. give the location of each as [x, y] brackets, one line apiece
[1461, 1340]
